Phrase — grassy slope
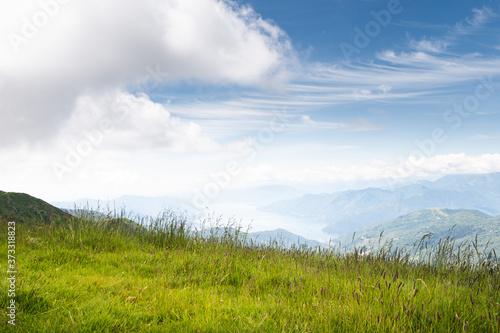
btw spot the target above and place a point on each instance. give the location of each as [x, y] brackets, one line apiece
[462, 225]
[24, 207]
[81, 276]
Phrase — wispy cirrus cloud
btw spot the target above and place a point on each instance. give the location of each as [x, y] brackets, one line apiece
[471, 24]
[391, 77]
[428, 45]
[479, 17]
[420, 71]
[427, 69]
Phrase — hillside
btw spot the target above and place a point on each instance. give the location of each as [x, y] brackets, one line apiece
[22, 207]
[98, 273]
[84, 276]
[462, 225]
[347, 211]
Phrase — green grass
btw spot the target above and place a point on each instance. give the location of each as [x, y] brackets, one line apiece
[88, 276]
[24, 207]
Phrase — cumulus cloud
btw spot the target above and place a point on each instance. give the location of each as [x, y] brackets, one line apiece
[129, 122]
[54, 54]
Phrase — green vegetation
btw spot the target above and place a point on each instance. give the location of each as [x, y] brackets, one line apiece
[88, 275]
[463, 226]
[23, 207]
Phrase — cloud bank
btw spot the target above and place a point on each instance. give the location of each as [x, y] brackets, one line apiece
[436, 166]
[54, 52]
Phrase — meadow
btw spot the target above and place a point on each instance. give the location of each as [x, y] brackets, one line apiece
[95, 274]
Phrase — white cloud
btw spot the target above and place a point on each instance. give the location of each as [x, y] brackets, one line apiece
[118, 44]
[409, 74]
[424, 45]
[384, 88]
[136, 124]
[458, 164]
[248, 115]
[392, 77]
[440, 165]
[479, 17]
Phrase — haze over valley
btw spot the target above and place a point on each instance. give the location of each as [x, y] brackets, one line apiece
[327, 216]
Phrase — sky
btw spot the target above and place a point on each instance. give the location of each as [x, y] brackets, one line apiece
[103, 98]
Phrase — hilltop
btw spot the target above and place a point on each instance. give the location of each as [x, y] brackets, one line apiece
[23, 207]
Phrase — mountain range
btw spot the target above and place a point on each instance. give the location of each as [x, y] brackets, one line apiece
[438, 223]
[279, 237]
[347, 211]
[404, 213]
[282, 237]
[152, 206]
[488, 185]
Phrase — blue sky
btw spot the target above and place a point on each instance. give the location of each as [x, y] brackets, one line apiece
[443, 34]
[323, 25]
[365, 90]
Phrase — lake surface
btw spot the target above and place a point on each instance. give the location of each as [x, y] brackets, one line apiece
[249, 215]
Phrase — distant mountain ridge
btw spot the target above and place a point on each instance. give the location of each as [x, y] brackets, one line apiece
[347, 211]
[283, 237]
[21, 207]
[280, 237]
[488, 185]
[461, 224]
